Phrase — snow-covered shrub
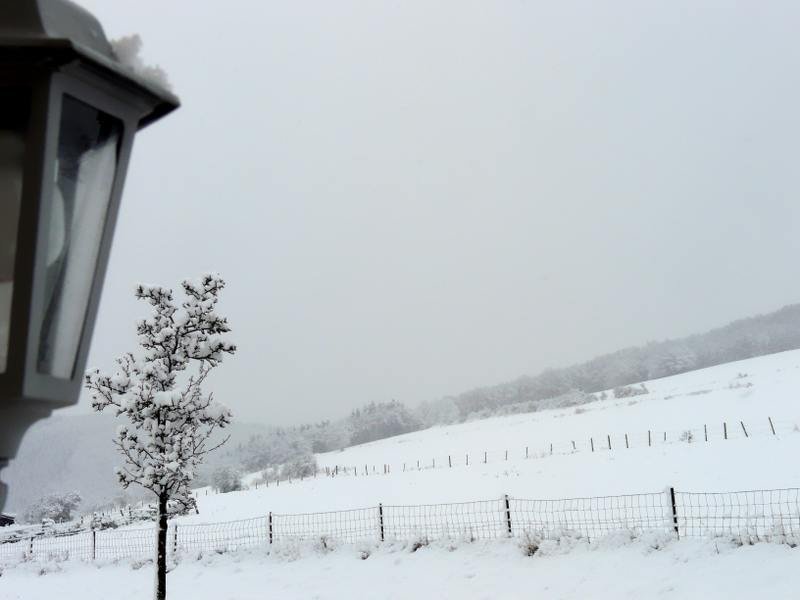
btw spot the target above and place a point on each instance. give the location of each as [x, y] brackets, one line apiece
[437, 412]
[626, 391]
[274, 448]
[687, 436]
[57, 507]
[420, 542]
[300, 467]
[377, 421]
[226, 479]
[531, 541]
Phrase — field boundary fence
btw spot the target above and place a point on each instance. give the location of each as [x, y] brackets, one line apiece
[743, 516]
[599, 443]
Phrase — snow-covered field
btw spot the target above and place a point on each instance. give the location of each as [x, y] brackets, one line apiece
[613, 570]
[747, 391]
[771, 388]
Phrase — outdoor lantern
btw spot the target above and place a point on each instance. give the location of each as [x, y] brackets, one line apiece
[68, 114]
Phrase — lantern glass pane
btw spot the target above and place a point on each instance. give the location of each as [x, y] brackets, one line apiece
[13, 124]
[88, 144]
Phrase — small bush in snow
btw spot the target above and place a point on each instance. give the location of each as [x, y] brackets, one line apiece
[324, 544]
[626, 391]
[226, 479]
[531, 541]
[420, 543]
[303, 466]
[57, 507]
[687, 436]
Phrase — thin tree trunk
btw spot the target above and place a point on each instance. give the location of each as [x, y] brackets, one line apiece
[161, 559]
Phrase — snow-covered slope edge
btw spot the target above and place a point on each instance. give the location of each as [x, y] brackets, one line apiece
[746, 391]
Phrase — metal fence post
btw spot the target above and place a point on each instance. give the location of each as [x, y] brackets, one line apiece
[175, 540]
[508, 514]
[380, 518]
[674, 511]
[94, 544]
[270, 527]
[30, 547]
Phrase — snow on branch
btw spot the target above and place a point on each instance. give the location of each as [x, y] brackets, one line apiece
[168, 423]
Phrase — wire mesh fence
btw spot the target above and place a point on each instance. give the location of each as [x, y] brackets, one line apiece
[592, 518]
[749, 516]
[746, 516]
[220, 537]
[483, 519]
[356, 525]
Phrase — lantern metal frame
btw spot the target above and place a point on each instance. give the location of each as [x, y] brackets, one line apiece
[53, 49]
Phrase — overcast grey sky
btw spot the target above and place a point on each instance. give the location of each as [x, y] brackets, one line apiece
[410, 199]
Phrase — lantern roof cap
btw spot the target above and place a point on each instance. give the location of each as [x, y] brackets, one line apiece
[69, 30]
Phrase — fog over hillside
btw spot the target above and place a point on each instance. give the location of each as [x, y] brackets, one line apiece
[76, 452]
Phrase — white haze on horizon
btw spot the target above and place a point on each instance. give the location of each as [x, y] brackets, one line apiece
[412, 199]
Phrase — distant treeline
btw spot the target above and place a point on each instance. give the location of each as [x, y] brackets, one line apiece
[746, 338]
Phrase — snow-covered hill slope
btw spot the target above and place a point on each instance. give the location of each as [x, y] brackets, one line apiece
[746, 392]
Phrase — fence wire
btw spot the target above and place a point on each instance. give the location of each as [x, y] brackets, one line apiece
[749, 516]
[483, 519]
[354, 525]
[112, 544]
[746, 516]
[594, 517]
[221, 537]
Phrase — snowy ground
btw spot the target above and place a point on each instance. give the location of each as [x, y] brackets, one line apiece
[748, 391]
[610, 570]
[771, 388]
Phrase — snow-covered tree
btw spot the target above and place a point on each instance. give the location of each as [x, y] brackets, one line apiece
[226, 479]
[159, 392]
[58, 507]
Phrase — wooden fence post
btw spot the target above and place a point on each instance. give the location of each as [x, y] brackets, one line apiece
[508, 515]
[526, 452]
[705, 431]
[30, 547]
[94, 544]
[591, 441]
[743, 429]
[449, 461]
[725, 429]
[506, 455]
[574, 447]
[674, 511]
[771, 426]
[626, 441]
[270, 527]
[551, 448]
[484, 457]
[380, 518]
[649, 438]
[609, 441]
[467, 458]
